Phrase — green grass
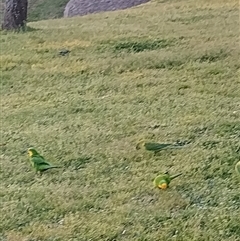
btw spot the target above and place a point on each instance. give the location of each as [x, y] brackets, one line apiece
[1, 10]
[44, 9]
[41, 9]
[131, 74]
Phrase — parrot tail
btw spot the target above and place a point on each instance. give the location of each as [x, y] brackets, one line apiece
[176, 175]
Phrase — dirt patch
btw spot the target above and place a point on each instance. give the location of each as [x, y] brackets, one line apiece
[84, 7]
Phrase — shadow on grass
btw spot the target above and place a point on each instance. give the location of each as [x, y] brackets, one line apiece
[212, 56]
[20, 30]
[192, 19]
[166, 64]
[140, 46]
[136, 46]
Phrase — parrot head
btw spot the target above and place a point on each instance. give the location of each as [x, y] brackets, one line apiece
[140, 144]
[32, 152]
[163, 185]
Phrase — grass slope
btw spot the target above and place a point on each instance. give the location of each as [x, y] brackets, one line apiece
[44, 9]
[164, 71]
[41, 9]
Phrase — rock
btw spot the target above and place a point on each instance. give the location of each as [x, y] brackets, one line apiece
[84, 7]
[64, 52]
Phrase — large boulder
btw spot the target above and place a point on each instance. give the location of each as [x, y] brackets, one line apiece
[84, 7]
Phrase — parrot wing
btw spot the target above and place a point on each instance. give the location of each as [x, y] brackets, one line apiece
[40, 163]
[39, 160]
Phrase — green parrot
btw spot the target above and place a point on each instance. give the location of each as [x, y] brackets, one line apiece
[38, 162]
[156, 147]
[162, 181]
[237, 168]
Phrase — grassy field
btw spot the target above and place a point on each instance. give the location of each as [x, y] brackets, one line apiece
[164, 71]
